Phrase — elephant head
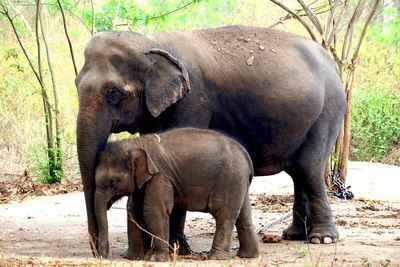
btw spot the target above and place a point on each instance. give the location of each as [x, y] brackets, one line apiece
[120, 172]
[124, 85]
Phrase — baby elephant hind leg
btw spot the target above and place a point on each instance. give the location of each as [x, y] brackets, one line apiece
[247, 235]
[221, 245]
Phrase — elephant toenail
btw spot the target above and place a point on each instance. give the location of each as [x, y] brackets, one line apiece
[328, 240]
[315, 240]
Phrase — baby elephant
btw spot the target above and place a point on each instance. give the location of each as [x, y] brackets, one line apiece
[195, 169]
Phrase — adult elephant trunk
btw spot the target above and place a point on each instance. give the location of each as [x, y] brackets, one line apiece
[100, 202]
[92, 133]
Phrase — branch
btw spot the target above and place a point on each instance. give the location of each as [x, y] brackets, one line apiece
[290, 16]
[80, 20]
[364, 31]
[38, 40]
[68, 39]
[172, 11]
[350, 29]
[339, 18]
[297, 17]
[311, 16]
[93, 18]
[10, 19]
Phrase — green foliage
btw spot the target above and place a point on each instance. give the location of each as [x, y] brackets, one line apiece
[303, 252]
[44, 170]
[375, 122]
[387, 32]
[365, 262]
[385, 262]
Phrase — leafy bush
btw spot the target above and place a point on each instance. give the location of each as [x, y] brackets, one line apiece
[375, 122]
[43, 168]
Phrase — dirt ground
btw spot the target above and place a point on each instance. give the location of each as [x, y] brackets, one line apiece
[51, 230]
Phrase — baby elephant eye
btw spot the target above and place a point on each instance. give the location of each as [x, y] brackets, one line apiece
[114, 96]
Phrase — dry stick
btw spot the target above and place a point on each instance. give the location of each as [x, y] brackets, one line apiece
[94, 248]
[297, 17]
[67, 36]
[308, 243]
[174, 248]
[334, 255]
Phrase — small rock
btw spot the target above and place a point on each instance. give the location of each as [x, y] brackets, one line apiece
[219, 49]
[240, 38]
[247, 39]
[261, 47]
[251, 51]
[271, 239]
[273, 50]
[250, 61]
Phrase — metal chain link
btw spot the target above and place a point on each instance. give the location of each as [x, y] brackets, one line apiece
[343, 191]
[277, 221]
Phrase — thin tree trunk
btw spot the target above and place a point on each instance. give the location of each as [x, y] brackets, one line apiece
[58, 155]
[71, 50]
[46, 106]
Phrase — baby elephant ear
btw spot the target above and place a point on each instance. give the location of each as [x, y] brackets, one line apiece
[166, 83]
[143, 167]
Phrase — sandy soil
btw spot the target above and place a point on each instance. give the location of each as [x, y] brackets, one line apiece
[52, 230]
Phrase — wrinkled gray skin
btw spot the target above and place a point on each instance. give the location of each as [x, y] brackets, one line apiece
[285, 105]
[195, 169]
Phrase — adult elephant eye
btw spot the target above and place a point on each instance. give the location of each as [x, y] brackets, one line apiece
[114, 96]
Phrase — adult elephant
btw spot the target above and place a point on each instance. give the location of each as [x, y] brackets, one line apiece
[277, 93]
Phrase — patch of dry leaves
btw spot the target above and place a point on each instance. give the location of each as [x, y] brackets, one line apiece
[24, 186]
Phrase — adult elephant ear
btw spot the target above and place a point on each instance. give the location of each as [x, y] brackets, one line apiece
[166, 83]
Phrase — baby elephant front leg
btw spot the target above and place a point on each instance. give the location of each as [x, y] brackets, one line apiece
[158, 204]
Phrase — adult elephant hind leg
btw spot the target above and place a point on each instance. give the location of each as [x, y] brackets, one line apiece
[176, 230]
[307, 170]
[247, 235]
[301, 211]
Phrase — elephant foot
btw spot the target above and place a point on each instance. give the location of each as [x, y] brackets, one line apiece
[132, 255]
[248, 252]
[324, 234]
[214, 255]
[183, 245]
[294, 232]
[162, 257]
